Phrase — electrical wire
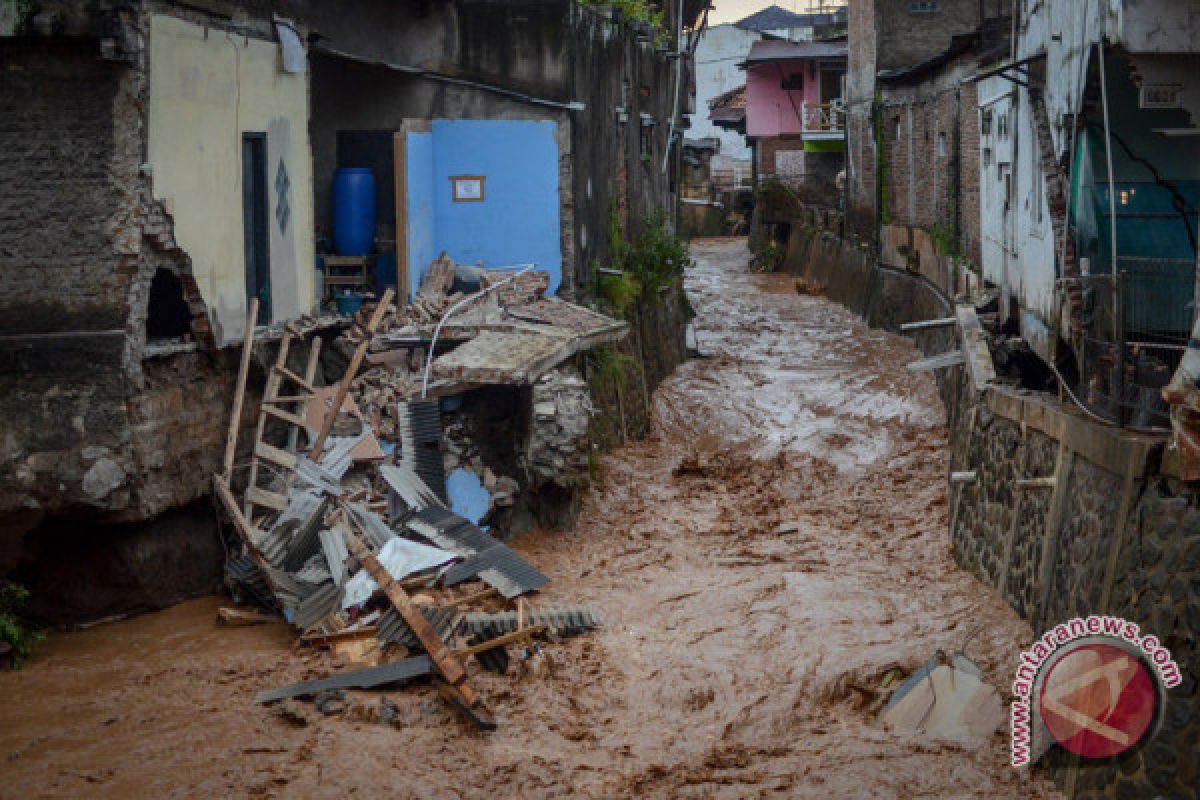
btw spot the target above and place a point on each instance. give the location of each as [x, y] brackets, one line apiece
[461, 304]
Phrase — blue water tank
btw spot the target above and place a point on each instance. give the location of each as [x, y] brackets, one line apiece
[353, 211]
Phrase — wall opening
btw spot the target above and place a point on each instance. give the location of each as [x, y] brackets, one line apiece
[168, 315]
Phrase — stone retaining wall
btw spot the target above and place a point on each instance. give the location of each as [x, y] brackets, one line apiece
[1119, 534]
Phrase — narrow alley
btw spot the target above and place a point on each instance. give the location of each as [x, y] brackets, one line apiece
[762, 561]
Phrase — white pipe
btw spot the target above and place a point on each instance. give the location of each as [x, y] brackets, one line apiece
[454, 308]
[678, 80]
[1112, 194]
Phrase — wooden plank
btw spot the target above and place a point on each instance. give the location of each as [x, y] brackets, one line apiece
[276, 456]
[310, 375]
[261, 497]
[500, 641]
[456, 689]
[284, 372]
[272, 389]
[286, 416]
[940, 361]
[239, 393]
[926, 324]
[351, 370]
[250, 535]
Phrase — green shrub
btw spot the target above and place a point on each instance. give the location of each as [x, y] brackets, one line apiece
[609, 368]
[12, 630]
[654, 261]
[620, 292]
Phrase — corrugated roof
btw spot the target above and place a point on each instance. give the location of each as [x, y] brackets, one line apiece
[780, 49]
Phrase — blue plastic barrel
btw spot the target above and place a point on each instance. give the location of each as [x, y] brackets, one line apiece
[353, 211]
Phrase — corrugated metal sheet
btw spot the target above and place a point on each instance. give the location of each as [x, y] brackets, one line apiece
[334, 546]
[419, 429]
[564, 621]
[318, 605]
[408, 492]
[396, 672]
[392, 627]
[501, 568]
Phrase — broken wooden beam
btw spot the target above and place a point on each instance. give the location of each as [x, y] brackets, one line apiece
[500, 641]
[239, 392]
[343, 388]
[456, 689]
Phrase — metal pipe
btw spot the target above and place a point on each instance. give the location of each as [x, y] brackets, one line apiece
[1112, 191]
[675, 94]
[454, 309]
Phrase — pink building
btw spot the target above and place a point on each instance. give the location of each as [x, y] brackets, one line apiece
[794, 114]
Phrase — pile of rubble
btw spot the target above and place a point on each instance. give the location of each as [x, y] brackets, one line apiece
[344, 518]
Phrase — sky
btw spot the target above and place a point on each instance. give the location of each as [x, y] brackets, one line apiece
[733, 10]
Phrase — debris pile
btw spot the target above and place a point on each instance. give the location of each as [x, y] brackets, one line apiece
[345, 522]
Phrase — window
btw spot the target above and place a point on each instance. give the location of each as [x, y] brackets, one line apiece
[987, 156]
[942, 144]
[1002, 126]
[985, 122]
[793, 82]
[896, 129]
[924, 7]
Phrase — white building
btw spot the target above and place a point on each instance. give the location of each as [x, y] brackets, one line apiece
[1094, 83]
[721, 49]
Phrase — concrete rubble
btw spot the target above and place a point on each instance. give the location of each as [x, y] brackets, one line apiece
[356, 510]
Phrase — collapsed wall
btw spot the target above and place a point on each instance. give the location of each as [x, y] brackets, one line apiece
[1118, 532]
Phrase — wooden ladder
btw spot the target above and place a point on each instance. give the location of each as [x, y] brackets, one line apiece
[288, 409]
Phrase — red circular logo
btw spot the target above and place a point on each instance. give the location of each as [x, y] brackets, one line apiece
[1097, 700]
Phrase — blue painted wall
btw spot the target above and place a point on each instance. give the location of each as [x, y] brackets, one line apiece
[422, 245]
[518, 220]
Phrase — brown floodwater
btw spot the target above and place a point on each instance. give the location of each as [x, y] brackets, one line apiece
[761, 562]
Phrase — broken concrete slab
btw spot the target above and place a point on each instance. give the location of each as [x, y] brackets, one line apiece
[946, 700]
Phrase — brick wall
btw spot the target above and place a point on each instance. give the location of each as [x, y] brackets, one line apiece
[907, 37]
[58, 271]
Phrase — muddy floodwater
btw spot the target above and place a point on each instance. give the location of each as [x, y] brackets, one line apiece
[762, 561]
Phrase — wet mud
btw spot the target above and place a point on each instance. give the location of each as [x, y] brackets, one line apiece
[761, 562]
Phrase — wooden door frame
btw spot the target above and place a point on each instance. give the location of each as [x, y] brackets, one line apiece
[400, 178]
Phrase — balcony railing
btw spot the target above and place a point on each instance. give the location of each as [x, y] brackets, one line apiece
[822, 118]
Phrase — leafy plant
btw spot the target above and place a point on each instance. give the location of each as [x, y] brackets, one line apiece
[640, 12]
[944, 242]
[620, 292]
[12, 630]
[609, 368]
[649, 264]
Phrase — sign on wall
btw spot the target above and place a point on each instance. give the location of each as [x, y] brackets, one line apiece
[468, 188]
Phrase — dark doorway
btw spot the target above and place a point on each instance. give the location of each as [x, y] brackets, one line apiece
[254, 220]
